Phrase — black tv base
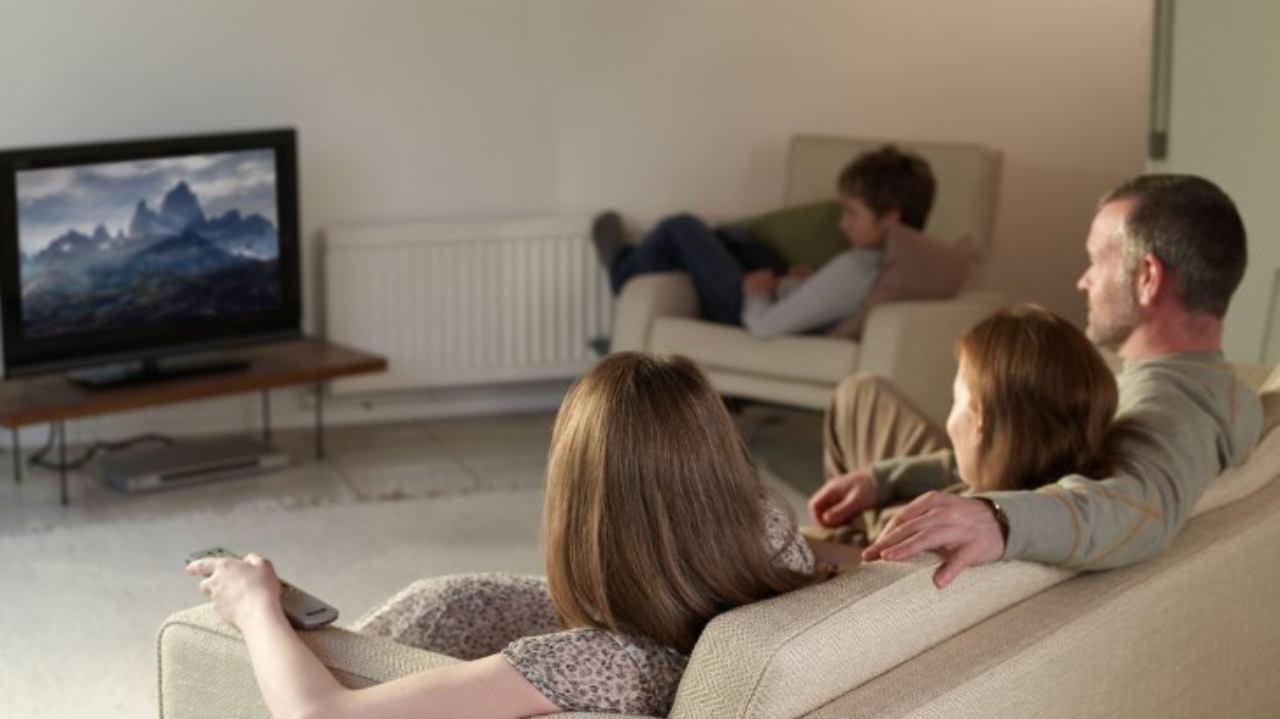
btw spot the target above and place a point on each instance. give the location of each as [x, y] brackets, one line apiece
[155, 369]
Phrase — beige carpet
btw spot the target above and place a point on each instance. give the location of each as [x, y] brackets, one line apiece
[81, 605]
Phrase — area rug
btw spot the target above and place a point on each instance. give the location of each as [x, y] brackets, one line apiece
[82, 605]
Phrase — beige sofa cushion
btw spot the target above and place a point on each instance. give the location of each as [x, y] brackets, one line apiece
[1240, 482]
[806, 358]
[1270, 392]
[915, 267]
[765, 656]
[790, 655]
[1194, 632]
[1264, 463]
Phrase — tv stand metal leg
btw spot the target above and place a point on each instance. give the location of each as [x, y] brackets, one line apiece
[62, 461]
[320, 421]
[17, 456]
[266, 416]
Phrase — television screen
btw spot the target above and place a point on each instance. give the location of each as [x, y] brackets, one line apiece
[123, 250]
[125, 244]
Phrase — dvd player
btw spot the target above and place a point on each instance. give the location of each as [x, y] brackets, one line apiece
[186, 463]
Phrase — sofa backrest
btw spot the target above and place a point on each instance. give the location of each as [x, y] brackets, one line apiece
[1193, 632]
[792, 654]
[968, 178]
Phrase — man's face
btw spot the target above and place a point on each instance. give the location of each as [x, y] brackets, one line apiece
[1113, 302]
[861, 226]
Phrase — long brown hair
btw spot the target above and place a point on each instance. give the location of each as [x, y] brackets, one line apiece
[654, 516]
[1044, 394]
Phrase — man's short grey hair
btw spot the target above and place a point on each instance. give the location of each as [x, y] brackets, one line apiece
[1193, 228]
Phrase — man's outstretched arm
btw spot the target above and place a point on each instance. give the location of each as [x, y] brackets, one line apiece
[1173, 439]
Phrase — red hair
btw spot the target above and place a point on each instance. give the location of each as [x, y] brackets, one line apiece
[1044, 394]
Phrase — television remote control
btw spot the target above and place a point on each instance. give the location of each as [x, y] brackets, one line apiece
[302, 610]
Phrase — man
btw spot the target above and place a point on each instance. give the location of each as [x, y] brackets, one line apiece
[1166, 252]
[741, 281]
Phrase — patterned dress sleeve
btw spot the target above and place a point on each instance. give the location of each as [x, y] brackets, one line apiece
[783, 538]
[593, 670]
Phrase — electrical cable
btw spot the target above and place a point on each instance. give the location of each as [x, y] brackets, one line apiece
[37, 458]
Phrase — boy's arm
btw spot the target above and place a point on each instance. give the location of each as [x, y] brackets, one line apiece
[833, 292]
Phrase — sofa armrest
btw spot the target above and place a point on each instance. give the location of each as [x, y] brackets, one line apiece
[898, 335]
[204, 667]
[643, 300]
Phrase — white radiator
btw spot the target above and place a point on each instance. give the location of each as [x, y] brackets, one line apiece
[466, 303]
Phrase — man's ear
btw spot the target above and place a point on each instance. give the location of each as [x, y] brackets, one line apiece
[1150, 280]
[891, 217]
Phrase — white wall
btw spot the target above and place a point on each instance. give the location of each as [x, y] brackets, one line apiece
[1223, 124]
[413, 108]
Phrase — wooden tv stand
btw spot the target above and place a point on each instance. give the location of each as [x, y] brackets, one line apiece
[54, 399]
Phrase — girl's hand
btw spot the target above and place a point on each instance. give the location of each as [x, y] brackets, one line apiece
[239, 588]
[800, 272]
[842, 498]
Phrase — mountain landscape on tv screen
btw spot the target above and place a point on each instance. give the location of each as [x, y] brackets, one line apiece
[170, 264]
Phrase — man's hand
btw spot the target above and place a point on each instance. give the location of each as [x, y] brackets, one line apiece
[963, 530]
[759, 282]
[842, 498]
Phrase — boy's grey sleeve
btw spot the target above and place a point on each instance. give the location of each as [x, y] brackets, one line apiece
[832, 293]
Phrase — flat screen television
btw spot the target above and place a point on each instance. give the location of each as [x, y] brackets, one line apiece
[127, 253]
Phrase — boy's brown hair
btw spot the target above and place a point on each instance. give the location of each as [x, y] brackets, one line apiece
[654, 516]
[1044, 395]
[889, 179]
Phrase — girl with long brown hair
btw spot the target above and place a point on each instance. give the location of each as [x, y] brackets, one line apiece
[654, 522]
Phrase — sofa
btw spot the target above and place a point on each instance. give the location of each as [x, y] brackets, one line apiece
[908, 342]
[1194, 631]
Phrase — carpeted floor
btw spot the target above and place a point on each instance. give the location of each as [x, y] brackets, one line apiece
[82, 605]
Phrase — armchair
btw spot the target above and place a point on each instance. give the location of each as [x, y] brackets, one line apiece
[910, 343]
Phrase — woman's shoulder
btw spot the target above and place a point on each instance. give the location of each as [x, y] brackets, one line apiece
[586, 669]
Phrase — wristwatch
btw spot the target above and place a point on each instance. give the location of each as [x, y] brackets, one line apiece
[1001, 518]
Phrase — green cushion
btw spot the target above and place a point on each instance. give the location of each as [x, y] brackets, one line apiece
[801, 235]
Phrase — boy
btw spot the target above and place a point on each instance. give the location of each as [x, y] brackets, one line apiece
[741, 281]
